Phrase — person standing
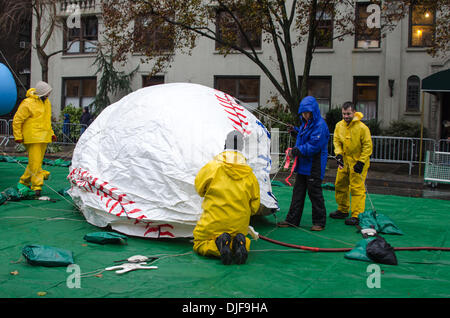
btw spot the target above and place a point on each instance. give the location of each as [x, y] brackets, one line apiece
[85, 119]
[231, 195]
[311, 159]
[352, 146]
[32, 126]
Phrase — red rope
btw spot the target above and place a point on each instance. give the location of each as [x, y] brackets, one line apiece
[319, 249]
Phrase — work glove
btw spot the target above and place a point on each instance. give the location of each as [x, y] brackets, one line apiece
[19, 141]
[54, 139]
[296, 152]
[292, 131]
[340, 160]
[358, 167]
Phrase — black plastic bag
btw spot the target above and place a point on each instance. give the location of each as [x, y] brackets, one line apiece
[380, 251]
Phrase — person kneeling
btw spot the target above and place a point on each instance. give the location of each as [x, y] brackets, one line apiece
[231, 195]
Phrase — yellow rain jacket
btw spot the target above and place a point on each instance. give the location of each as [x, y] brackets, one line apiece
[354, 143]
[231, 196]
[32, 121]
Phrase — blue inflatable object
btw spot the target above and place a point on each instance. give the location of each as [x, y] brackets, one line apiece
[8, 90]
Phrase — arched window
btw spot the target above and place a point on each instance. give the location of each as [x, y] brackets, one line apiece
[413, 94]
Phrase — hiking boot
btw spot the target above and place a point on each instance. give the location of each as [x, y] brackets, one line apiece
[338, 215]
[352, 221]
[223, 242]
[317, 228]
[284, 224]
[239, 249]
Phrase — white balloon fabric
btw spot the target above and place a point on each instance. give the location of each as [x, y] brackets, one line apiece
[134, 167]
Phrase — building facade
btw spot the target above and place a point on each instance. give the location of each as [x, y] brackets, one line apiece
[382, 75]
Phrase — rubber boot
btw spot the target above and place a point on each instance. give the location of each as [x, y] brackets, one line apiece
[223, 242]
[239, 249]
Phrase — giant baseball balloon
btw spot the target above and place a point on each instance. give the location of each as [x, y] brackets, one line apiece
[8, 90]
[134, 168]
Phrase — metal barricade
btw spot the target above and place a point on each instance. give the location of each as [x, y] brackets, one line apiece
[67, 133]
[437, 167]
[386, 149]
[443, 145]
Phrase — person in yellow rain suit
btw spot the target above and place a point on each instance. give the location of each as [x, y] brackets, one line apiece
[32, 126]
[352, 146]
[231, 196]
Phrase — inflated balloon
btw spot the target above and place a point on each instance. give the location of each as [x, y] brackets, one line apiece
[134, 167]
[8, 90]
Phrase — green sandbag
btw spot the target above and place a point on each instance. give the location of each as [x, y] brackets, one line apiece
[3, 198]
[106, 238]
[359, 251]
[48, 256]
[380, 222]
[62, 163]
[11, 194]
[328, 186]
[24, 191]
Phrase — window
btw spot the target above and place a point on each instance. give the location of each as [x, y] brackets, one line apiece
[365, 96]
[320, 88]
[83, 39]
[421, 26]
[365, 37]
[413, 94]
[152, 80]
[153, 34]
[324, 31]
[79, 92]
[228, 31]
[243, 88]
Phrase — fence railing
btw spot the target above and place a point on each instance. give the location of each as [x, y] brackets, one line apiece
[387, 149]
[66, 134]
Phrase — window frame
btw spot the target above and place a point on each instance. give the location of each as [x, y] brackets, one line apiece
[408, 92]
[80, 95]
[240, 39]
[237, 78]
[355, 94]
[319, 27]
[82, 38]
[411, 25]
[319, 77]
[158, 79]
[153, 38]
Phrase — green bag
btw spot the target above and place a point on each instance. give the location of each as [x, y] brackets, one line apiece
[24, 191]
[380, 222]
[11, 194]
[48, 256]
[359, 251]
[62, 163]
[106, 237]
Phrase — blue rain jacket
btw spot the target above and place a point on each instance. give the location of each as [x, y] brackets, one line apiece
[312, 140]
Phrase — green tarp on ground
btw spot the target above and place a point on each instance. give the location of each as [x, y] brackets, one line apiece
[272, 271]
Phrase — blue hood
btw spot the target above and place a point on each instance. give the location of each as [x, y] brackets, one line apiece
[309, 104]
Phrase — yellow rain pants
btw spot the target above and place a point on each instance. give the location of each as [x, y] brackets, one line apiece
[354, 142]
[231, 196]
[34, 175]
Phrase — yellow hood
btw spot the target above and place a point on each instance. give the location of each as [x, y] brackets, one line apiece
[234, 164]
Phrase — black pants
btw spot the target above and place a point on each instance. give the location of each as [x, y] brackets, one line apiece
[314, 187]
